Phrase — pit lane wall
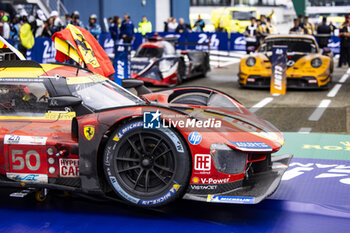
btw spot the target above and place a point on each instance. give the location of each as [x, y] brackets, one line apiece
[44, 50]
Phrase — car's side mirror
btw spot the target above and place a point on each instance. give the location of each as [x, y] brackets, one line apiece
[326, 51]
[137, 84]
[64, 101]
[251, 49]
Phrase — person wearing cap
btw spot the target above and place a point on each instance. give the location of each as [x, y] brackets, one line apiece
[94, 28]
[76, 19]
[145, 26]
[127, 29]
[38, 23]
[5, 27]
[57, 21]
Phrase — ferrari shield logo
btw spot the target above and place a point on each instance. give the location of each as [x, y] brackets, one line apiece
[89, 131]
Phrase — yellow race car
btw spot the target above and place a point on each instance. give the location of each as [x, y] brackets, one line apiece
[307, 66]
[233, 19]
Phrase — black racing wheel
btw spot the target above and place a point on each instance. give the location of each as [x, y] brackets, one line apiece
[147, 167]
[180, 71]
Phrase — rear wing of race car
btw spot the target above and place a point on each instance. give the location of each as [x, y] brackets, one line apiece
[173, 39]
[8, 52]
[193, 45]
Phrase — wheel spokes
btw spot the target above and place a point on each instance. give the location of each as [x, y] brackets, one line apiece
[154, 148]
[164, 168]
[129, 169]
[158, 176]
[138, 178]
[134, 147]
[142, 144]
[128, 159]
[161, 154]
[146, 180]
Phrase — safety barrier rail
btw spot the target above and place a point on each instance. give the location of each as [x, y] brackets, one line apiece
[44, 49]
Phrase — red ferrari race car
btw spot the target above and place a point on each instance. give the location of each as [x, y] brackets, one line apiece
[63, 127]
[157, 62]
[83, 133]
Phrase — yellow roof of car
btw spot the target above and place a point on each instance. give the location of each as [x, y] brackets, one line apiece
[291, 36]
[49, 70]
[26, 72]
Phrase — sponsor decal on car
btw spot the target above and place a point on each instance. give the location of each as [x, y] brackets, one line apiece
[165, 197]
[126, 129]
[214, 181]
[203, 187]
[89, 132]
[202, 162]
[195, 138]
[251, 146]
[25, 140]
[195, 180]
[27, 177]
[228, 199]
[69, 167]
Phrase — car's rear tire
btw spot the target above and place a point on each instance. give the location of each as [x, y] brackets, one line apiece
[147, 167]
[180, 71]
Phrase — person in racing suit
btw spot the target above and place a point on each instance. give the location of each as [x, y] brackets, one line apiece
[94, 28]
[251, 35]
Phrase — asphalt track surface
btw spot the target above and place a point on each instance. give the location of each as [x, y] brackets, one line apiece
[290, 112]
[313, 197]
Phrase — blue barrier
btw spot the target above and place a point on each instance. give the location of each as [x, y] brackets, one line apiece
[44, 50]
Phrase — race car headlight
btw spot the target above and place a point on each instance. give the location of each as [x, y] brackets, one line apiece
[228, 160]
[316, 62]
[250, 61]
[165, 65]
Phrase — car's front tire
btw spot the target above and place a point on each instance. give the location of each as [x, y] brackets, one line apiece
[147, 167]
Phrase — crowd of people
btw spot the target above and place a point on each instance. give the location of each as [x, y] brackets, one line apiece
[257, 31]
[23, 28]
[323, 33]
[171, 25]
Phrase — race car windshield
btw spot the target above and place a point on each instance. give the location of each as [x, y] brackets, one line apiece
[103, 95]
[294, 45]
[243, 15]
[149, 52]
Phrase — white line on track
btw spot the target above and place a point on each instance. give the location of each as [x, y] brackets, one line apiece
[334, 90]
[222, 63]
[305, 130]
[218, 58]
[344, 78]
[317, 114]
[261, 104]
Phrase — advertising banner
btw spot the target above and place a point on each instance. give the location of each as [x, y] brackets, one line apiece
[107, 43]
[121, 62]
[278, 83]
[43, 51]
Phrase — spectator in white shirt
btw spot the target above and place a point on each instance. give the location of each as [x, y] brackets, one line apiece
[172, 25]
